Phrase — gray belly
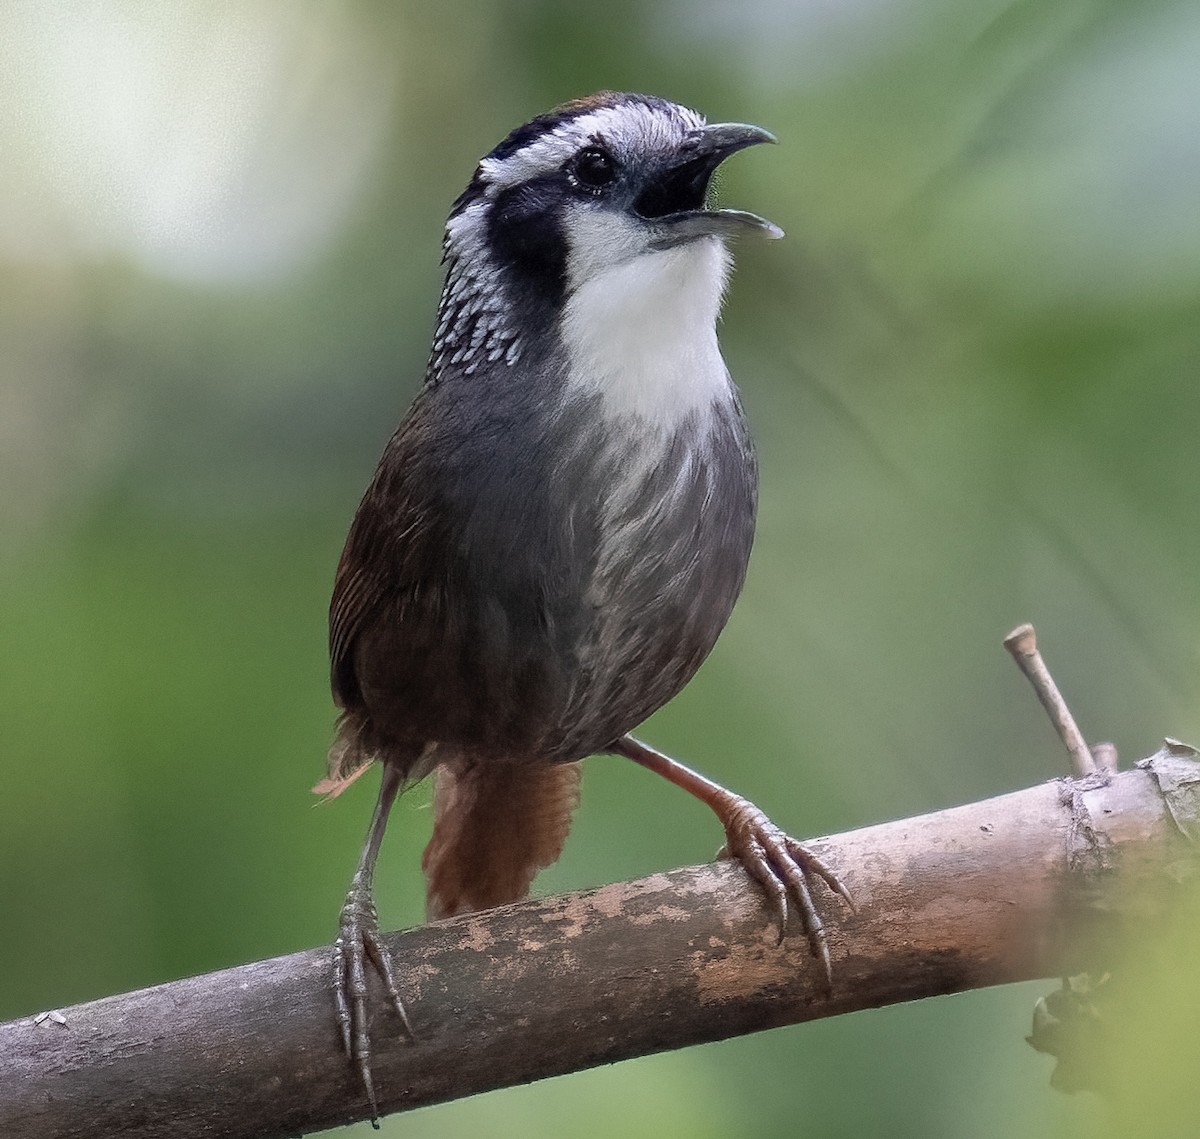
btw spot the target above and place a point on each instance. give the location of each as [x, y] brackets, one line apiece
[629, 553]
[670, 558]
[588, 570]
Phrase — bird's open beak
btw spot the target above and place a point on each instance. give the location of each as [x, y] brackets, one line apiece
[675, 201]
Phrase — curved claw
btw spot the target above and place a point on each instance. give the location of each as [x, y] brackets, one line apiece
[784, 869]
[383, 963]
[776, 861]
[358, 942]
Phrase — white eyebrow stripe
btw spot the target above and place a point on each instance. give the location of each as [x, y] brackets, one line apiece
[623, 123]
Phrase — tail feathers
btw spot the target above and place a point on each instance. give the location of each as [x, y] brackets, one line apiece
[353, 751]
[494, 827]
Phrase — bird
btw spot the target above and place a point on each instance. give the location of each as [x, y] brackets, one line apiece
[556, 533]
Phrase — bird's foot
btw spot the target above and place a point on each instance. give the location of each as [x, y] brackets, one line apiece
[358, 942]
[775, 860]
[783, 867]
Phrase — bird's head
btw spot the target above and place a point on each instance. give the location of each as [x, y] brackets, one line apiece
[584, 191]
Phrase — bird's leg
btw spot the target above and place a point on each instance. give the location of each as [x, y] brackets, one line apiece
[775, 860]
[358, 942]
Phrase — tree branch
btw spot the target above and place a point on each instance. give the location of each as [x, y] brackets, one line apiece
[1012, 888]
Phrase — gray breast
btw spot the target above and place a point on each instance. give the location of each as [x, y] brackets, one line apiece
[575, 573]
[606, 558]
[674, 526]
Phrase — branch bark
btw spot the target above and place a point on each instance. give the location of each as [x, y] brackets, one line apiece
[1018, 887]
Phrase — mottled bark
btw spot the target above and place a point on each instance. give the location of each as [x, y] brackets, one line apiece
[1026, 885]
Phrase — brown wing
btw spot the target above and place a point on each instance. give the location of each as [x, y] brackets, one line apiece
[381, 563]
[382, 558]
[358, 591]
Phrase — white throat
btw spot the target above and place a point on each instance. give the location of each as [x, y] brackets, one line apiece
[643, 333]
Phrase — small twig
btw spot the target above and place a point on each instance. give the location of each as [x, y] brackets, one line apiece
[1106, 758]
[1022, 643]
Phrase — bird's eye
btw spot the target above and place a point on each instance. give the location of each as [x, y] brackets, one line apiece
[594, 168]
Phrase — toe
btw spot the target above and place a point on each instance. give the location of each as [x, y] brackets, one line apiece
[383, 964]
[339, 996]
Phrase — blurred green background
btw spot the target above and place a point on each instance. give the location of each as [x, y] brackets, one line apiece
[972, 368]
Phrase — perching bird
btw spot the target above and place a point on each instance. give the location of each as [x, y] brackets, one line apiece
[557, 532]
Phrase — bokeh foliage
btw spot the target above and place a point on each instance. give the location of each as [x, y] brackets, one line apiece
[972, 368]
